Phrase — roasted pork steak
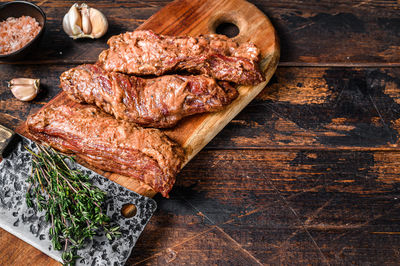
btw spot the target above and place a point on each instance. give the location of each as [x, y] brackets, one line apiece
[146, 53]
[111, 145]
[155, 102]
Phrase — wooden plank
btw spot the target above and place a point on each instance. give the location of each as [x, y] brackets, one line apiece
[338, 108]
[268, 201]
[275, 204]
[14, 251]
[317, 32]
[217, 248]
[307, 108]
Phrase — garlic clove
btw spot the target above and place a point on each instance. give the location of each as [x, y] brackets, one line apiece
[72, 22]
[99, 23]
[66, 25]
[24, 93]
[24, 89]
[75, 20]
[86, 24]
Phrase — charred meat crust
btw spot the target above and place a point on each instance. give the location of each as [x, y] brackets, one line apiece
[109, 144]
[155, 102]
[143, 52]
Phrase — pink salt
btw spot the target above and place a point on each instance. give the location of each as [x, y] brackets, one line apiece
[15, 33]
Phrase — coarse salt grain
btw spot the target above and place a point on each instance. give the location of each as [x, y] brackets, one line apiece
[15, 33]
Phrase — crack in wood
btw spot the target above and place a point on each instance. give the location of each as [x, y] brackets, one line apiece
[299, 220]
[176, 245]
[318, 211]
[239, 246]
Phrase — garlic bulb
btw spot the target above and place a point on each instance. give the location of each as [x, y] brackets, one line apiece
[82, 21]
[24, 89]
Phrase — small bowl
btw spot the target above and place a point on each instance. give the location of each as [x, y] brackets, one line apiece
[17, 9]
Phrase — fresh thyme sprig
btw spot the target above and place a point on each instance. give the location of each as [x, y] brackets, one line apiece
[72, 204]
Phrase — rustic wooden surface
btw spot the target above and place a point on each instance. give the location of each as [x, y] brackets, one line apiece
[308, 173]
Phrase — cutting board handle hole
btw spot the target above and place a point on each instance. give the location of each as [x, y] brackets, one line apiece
[228, 29]
[128, 210]
[229, 24]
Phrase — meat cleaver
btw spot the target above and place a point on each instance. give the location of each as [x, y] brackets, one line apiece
[30, 225]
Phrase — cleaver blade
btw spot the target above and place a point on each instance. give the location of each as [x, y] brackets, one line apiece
[30, 225]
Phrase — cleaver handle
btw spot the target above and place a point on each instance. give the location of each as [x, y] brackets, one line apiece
[6, 136]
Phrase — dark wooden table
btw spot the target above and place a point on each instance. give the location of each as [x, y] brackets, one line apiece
[308, 173]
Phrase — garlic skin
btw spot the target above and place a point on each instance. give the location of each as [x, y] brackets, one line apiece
[24, 89]
[82, 21]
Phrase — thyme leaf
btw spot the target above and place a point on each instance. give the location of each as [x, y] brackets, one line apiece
[73, 205]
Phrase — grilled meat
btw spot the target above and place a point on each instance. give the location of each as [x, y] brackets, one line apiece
[156, 102]
[111, 145]
[146, 53]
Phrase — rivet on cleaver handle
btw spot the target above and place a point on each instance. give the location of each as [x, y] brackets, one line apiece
[6, 135]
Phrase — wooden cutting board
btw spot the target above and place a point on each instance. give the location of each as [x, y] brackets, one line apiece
[191, 17]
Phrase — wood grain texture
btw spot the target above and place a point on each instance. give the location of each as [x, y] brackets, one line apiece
[307, 173]
[312, 32]
[14, 251]
[283, 207]
[302, 107]
[321, 108]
